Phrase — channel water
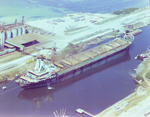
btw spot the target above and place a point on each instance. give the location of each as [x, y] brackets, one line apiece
[92, 91]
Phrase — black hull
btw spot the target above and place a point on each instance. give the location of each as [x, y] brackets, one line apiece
[79, 70]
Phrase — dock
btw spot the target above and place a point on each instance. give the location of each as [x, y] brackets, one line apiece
[144, 55]
[83, 113]
[135, 32]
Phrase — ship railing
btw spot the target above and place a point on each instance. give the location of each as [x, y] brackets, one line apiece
[47, 77]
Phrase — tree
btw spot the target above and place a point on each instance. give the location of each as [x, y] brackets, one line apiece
[148, 75]
[117, 12]
[125, 11]
[138, 77]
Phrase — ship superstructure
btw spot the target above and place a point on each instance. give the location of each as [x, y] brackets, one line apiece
[41, 72]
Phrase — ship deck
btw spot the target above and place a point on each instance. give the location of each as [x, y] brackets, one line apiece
[93, 54]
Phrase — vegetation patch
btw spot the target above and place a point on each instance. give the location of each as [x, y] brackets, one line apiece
[125, 11]
[144, 85]
[139, 77]
[148, 75]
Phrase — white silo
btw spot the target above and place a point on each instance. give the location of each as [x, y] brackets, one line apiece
[8, 34]
[19, 31]
[23, 30]
[2, 40]
[14, 32]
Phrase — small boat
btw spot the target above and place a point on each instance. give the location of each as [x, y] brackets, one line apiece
[80, 111]
[83, 113]
[4, 87]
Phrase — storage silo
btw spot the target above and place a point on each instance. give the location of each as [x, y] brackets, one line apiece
[23, 30]
[19, 31]
[14, 32]
[8, 34]
[2, 40]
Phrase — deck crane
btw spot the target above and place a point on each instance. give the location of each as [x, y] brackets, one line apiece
[53, 50]
[130, 35]
[37, 52]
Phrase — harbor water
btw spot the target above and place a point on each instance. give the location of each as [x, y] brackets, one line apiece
[92, 91]
[45, 9]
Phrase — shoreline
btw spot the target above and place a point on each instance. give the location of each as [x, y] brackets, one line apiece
[136, 101]
[102, 113]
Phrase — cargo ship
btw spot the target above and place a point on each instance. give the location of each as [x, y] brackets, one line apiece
[46, 74]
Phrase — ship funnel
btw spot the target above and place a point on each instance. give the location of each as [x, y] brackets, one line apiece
[41, 66]
[37, 65]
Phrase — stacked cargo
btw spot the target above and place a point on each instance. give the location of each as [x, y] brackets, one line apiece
[90, 53]
[99, 50]
[106, 47]
[114, 45]
[73, 61]
[122, 42]
[81, 57]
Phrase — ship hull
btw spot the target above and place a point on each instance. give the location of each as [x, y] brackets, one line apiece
[77, 71]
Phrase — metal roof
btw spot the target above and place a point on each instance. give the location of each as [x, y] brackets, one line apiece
[21, 39]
